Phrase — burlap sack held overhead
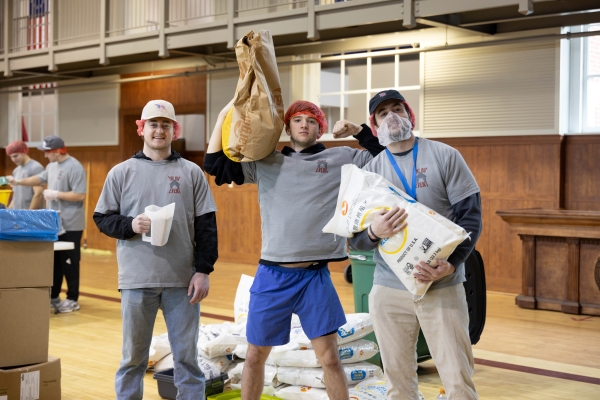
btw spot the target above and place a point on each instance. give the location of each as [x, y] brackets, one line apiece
[257, 113]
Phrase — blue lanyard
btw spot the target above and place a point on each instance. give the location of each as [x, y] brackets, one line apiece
[412, 191]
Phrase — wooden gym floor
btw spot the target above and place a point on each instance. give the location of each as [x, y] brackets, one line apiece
[522, 354]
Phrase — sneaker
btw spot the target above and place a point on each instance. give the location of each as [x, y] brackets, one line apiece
[55, 303]
[68, 306]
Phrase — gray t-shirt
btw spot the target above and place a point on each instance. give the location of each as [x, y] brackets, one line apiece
[136, 183]
[22, 195]
[297, 194]
[66, 176]
[443, 179]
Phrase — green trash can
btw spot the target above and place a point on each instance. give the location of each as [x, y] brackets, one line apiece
[363, 269]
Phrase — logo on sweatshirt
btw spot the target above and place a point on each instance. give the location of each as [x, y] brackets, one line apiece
[59, 175]
[422, 178]
[174, 184]
[322, 166]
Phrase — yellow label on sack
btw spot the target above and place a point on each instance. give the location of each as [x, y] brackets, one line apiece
[226, 133]
[384, 246]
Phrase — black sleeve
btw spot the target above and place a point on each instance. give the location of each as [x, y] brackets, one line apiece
[223, 169]
[206, 253]
[368, 141]
[114, 225]
[467, 214]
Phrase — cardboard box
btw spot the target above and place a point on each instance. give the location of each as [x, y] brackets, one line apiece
[24, 326]
[26, 264]
[37, 381]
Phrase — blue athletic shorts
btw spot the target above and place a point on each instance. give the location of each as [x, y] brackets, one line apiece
[277, 292]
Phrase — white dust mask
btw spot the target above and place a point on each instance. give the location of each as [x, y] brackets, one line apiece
[394, 128]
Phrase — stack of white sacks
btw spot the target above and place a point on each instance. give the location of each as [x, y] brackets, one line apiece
[292, 371]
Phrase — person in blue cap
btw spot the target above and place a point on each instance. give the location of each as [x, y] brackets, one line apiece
[437, 176]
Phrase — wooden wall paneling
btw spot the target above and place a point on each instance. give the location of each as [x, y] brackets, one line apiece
[5, 164]
[589, 276]
[186, 93]
[551, 281]
[582, 172]
[238, 222]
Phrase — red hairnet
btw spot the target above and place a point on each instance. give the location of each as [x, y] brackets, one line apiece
[176, 128]
[17, 147]
[411, 117]
[307, 108]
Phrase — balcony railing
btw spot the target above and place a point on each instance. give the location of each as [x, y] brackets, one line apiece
[185, 12]
[80, 20]
[77, 20]
[1, 26]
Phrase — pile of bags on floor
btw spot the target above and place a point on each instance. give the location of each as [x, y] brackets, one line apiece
[292, 371]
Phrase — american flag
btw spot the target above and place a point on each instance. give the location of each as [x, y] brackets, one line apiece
[37, 25]
[37, 31]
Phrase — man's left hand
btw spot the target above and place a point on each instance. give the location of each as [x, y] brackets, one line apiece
[199, 286]
[426, 273]
[50, 194]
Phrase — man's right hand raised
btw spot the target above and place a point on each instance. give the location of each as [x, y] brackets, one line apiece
[141, 224]
[344, 128]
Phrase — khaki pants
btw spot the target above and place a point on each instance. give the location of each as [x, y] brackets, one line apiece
[443, 316]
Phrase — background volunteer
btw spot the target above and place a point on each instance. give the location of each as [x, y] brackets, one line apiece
[297, 190]
[66, 191]
[23, 197]
[437, 176]
[173, 277]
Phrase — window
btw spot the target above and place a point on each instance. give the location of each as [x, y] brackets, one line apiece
[38, 114]
[582, 56]
[346, 86]
[591, 81]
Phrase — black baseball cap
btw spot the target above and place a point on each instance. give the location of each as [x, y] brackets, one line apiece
[383, 96]
[52, 143]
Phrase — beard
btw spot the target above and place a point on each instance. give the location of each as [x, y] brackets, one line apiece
[394, 128]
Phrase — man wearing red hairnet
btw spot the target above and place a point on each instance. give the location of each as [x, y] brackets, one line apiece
[66, 191]
[24, 198]
[297, 191]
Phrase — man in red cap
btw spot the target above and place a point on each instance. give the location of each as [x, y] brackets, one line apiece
[297, 191]
[66, 191]
[24, 198]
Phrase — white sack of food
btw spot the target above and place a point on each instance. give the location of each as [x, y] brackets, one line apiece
[314, 377]
[359, 350]
[270, 373]
[357, 326]
[165, 363]
[427, 236]
[301, 393]
[210, 367]
[216, 340]
[372, 389]
[242, 298]
[159, 348]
